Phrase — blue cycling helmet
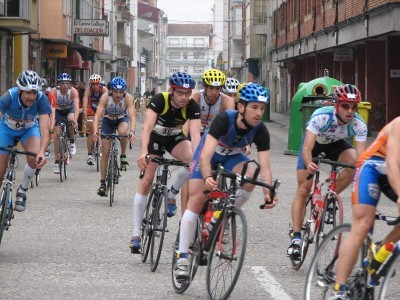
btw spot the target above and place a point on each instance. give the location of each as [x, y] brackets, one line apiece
[254, 92]
[181, 80]
[118, 83]
[64, 77]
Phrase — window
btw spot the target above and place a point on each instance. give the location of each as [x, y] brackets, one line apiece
[185, 68]
[15, 9]
[67, 11]
[198, 69]
[184, 42]
[197, 42]
[198, 55]
[173, 42]
[174, 55]
[185, 55]
[173, 69]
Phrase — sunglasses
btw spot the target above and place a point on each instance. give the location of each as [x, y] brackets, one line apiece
[347, 106]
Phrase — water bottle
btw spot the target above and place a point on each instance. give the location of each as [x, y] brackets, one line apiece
[207, 219]
[318, 203]
[380, 257]
[215, 217]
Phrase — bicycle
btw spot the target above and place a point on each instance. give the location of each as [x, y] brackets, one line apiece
[360, 284]
[223, 250]
[154, 224]
[321, 215]
[113, 171]
[64, 149]
[6, 203]
[96, 148]
[35, 180]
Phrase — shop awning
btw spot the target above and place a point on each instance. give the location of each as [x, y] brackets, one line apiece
[74, 60]
[86, 65]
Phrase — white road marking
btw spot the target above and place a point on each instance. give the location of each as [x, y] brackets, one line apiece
[269, 283]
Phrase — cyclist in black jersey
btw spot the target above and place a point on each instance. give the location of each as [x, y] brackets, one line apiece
[162, 131]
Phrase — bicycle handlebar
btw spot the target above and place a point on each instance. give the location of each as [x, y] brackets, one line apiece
[320, 159]
[243, 179]
[163, 161]
[112, 136]
[18, 151]
[389, 220]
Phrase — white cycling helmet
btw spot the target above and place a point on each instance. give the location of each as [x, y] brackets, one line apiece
[230, 86]
[29, 81]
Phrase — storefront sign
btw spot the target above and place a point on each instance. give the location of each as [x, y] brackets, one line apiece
[55, 50]
[90, 27]
[343, 54]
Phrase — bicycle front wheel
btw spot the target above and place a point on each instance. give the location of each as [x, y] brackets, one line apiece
[97, 155]
[331, 217]
[321, 275]
[147, 224]
[4, 208]
[61, 159]
[226, 256]
[390, 289]
[159, 228]
[111, 174]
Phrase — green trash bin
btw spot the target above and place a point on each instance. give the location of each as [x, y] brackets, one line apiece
[307, 109]
[267, 113]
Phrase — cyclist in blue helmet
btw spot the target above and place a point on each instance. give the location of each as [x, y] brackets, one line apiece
[116, 110]
[67, 110]
[162, 131]
[223, 143]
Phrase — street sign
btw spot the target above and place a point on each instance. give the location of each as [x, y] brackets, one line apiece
[91, 27]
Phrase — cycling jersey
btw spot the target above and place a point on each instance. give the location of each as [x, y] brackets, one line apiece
[169, 119]
[208, 112]
[231, 141]
[324, 124]
[19, 121]
[64, 102]
[93, 100]
[114, 110]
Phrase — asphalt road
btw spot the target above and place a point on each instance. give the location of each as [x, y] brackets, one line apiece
[70, 244]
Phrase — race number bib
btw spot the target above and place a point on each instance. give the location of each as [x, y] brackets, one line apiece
[19, 124]
[166, 131]
[227, 151]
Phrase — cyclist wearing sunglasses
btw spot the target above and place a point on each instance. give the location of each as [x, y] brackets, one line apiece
[327, 131]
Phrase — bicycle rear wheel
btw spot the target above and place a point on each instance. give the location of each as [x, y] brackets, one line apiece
[305, 235]
[147, 224]
[390, 289]
[322, 272]
[332, 216]
[194, 255]
[4, 211]
[226, 256]
[159, 227]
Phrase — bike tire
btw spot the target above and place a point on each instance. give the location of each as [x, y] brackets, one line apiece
[4, 210]
[37, 178]
[194, 255]
[321, 275]
[146, 233]
[97, 156]
[390, 288]
[111, 175]
[305, 235]
[337, 217]
[224, 267]
[61, 161]
[66, 160]
[159, 227]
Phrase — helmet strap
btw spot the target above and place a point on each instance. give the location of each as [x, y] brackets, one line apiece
[247, 125]
[337, 116]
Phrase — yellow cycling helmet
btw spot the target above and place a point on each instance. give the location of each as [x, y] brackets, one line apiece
[239, 89]
[214, 77]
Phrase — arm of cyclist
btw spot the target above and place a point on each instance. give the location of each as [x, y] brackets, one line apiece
[308, 145]
[132, 116]
[266, 175]
[205, 162]
[75, 99]
[194, 129]
[85, 102]
[98, 115]
[393, 158]
[44, 121]
[149, 121]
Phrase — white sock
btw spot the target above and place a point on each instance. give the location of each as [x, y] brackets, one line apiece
[28, 175]
[183, 175]
[139, 207]
[188, 228]
[242, 197]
